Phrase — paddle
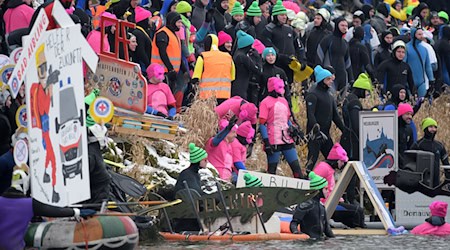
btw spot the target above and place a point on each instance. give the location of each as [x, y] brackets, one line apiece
[222, 200]
[191, 199]
[113, 204]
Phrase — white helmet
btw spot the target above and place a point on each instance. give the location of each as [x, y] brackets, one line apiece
[397, 44]
[325, 14]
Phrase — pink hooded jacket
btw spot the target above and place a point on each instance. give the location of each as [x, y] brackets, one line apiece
[439, 209]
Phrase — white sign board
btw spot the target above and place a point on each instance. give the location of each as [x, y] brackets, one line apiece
[271, 180]
[378, 143]
[413, 209]
[369, 185]
[56, 128]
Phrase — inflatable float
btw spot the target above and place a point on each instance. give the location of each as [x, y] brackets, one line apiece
[100, 232]
[236, 237]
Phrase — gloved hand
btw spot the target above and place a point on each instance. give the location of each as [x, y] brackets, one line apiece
[232, 122]
[249, 150]
[209, 16]
[19, 135]
[172, 75]
[419, 102]
[161, 115]
[267, 147]
[53, 76]
[194, 81]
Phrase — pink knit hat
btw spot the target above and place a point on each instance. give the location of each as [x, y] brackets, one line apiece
[141, 14]
[248, 112]
[259, 46]
[223, 123]
[245, 130]
[438, 208]
[404, 108]
[110, 15]
[155, 70]
[277, 84]
[223, 38]
[338, 153]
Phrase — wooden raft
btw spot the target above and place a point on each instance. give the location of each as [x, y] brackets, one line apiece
[144, 125]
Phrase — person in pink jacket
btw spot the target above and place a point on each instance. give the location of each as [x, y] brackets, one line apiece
[275, 126]
[219, 150]
[244, 137]
[160, 100]
[242, 109]
[94, 37]
[435, 224]
[349, 214]
[18, 15]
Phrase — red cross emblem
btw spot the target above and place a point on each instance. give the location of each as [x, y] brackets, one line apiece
[24, 116]
[102, 107]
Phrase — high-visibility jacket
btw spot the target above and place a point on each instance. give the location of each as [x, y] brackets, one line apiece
[173, 50]
[97, 12]
[216, 76]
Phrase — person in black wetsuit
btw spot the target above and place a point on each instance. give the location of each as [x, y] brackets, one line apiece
[383, 52]
[318, 32]
[321, 109]
[359, 55]
[395, 71]
[198, 158]
[429, 144]
[334, 50]
[269, 57]
[311, 214]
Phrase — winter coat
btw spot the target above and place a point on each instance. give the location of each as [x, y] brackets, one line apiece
[244, 67]
[220, 17]
[443, 52]
[198, 14]
[191, 176]
[433, 226]
[283, 38]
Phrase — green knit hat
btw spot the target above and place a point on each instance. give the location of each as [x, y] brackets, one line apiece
[183, 7]
[196, 154]
[88, 100]
[252, 181]
[237, 9]
[317, 182]
[443, 15]
[254, 9]
[363, 82]
[278, 9]
[428, 122]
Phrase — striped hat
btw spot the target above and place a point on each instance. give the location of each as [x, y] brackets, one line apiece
[254, 9]
[317, 182]
[252, 181]
[278, 9]
[196, 154]
[237, 9]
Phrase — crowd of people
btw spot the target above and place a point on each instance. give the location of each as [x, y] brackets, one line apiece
[247, 55]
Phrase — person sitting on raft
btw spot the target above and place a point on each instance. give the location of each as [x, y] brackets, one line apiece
[435, 224]
[275, 127]
[349, 214]
[244, 136]
[311, 214]
[219, 150]
[17, 209]
[160, 100]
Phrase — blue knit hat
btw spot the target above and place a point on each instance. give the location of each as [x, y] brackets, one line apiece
[268, 50]
[244, 39]
[321, 73]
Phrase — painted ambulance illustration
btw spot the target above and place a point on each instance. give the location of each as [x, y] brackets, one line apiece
[68, 127]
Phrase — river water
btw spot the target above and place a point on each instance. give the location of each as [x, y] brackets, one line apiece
[340, 242]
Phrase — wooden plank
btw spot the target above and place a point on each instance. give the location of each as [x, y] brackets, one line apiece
[359, 231]
[140, 132]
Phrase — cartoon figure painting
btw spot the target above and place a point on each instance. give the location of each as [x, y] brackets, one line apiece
[41, 96]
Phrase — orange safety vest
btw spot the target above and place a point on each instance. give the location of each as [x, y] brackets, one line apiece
[173, 50]
[97, 12]
[216, 76]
